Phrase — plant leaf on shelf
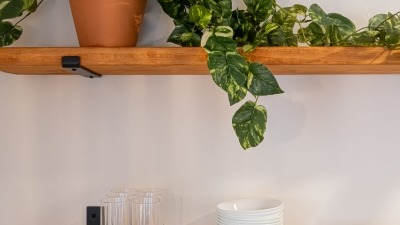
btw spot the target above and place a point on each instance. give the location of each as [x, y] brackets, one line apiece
[221, 10]
[9, 33]
[341, 28]
[261, 81]
[227, 66]
[312, 34]
[11, 8]
[184, 37]
[174, 9]
[218, 39]
[376, 22]
[200, 15]
[319, 16]
[299, 9]
[229, 71]
[29, 5]
[260, 9]
[366, 38]
[264, 23]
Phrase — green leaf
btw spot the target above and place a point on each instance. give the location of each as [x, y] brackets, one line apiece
[11, 9]
[226, 8]
[3, 4]
[244, 30]
[190, 39]
[334, 35]
[219, 39]
[342, 28]
[181, 36]
[277, 38]
[31, 5]
[248, 48]
[9, 33]
[175, 36]
[262, 35]
[312, 34]
[174, 9]
[221, 8]
[319, 16]
[249, 123]
[236, 92]
[285, 19]
[282, 37]
[261, 81]
[260, 9]
[393, 41]
[345, 25]
[365, 38]
[200, 15]
[28, 4]
[299, 9]
[228, 69]
[270, 27]
[392, 24]
[291, 39]
[376, 22]
[388, 27]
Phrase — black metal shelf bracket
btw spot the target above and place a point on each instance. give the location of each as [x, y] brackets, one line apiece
[73, 64]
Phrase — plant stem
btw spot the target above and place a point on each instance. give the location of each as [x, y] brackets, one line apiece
[390, 17]
[295, 18]
[23, 18]
[355, 32]
[27, 14]
[256, 99]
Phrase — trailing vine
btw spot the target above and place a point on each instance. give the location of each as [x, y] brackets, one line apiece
[220, 30]
[227, 35]
[10, 9]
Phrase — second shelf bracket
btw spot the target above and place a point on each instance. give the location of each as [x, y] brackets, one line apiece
[73, 64]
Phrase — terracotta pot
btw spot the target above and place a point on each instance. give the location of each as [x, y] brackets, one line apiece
[107, 23]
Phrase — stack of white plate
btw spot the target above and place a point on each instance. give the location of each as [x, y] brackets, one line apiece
[254, 211]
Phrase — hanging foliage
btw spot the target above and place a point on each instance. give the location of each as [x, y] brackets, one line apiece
[264, 23]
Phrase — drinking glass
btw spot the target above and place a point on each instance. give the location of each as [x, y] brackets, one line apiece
[151, 192]
[116, 211]
[148, 195]
[146, 211]
[120, 195]
[159, 191]
[123, 190]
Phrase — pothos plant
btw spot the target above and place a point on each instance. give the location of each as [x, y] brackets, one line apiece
[227, 35]
[10, 9]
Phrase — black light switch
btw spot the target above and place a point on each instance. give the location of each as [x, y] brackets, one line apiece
[93, 215]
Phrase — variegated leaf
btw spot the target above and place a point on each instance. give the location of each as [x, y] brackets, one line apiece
[249, 123]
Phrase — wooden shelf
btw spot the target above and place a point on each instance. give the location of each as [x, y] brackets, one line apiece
[188, 61]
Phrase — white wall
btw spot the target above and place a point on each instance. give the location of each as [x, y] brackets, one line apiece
[331, 151]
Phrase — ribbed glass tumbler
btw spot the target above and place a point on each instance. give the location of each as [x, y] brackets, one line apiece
[116, 211]
[146, 211]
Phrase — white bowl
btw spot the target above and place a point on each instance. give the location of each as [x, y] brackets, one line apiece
[249, 206]
[241, 222]
[257, 214]
[277, 223]
[269, 217]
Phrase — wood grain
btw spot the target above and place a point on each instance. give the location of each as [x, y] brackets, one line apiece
[192, 61]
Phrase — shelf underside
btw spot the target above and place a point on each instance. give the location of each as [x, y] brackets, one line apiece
[192, 61]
